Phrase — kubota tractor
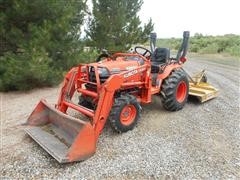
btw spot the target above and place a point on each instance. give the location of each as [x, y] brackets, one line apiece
[113, 90]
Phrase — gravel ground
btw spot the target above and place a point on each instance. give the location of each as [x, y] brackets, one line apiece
[202, 141]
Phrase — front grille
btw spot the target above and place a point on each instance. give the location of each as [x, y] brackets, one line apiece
[92, 77]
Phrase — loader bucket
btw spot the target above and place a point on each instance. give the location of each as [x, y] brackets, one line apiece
[65, 138]
[203, 91]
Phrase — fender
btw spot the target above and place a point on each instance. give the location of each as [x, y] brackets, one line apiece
[168, 70]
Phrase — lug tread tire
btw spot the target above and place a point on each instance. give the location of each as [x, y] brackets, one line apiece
[118, 105]
[169, 88]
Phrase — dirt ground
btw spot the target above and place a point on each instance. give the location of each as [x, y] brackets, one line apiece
[202, 141]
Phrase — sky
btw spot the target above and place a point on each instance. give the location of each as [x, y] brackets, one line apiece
[209, 17]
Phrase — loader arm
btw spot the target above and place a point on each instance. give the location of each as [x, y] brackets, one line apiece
[105, 103]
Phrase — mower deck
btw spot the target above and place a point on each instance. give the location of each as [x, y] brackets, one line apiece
[203, 91]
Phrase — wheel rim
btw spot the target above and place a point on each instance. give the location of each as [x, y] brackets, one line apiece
[181, 91]
[128, 114]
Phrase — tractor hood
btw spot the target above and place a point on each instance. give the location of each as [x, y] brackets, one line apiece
[117, 66]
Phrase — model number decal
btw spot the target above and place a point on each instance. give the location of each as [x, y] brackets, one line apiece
[131, 73]
[131, 68]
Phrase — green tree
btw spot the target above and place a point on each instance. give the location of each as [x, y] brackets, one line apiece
[39, 40]
[115, 25]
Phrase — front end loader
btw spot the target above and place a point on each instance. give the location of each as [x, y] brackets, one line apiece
[111, 89]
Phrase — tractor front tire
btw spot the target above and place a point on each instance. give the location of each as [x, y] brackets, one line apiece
[175, 89]
[125, 113]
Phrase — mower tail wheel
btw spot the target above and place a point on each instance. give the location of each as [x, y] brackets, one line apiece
[125, 113]
[175, 90]
[204, 78]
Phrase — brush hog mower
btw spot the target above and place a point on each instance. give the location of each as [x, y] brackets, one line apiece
[110, 89]
[198, 87]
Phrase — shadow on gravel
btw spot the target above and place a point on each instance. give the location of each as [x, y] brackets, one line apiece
[193, 100]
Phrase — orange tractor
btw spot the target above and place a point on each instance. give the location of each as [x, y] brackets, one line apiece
[113, 90]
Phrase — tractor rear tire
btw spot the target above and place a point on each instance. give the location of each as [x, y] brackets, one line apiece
[175, 89]
[125, 113]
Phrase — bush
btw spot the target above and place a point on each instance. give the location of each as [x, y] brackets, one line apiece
[229, 44]
[32, 69]
[234, 50]
[17, 73]
[209, 49]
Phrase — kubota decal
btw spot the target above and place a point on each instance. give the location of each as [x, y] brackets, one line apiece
[134, 72]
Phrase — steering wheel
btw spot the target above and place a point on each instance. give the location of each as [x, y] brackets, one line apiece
[143, 51]
[99, 58]
[105, 54]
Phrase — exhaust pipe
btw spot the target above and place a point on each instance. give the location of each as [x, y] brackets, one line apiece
[184, 46]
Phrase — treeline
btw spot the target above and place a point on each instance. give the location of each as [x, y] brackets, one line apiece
[42, 39]
[227, 44]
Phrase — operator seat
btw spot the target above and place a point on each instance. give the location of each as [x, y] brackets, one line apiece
[159, 57]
